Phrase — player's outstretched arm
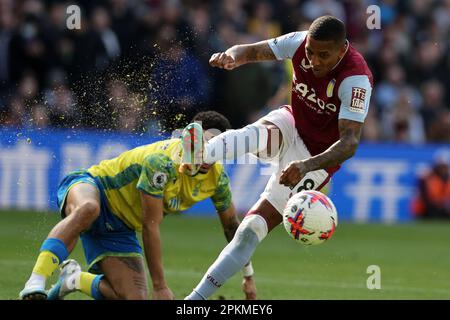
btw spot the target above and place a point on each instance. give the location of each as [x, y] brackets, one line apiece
[230, 223]
[241, 54]
[152, 215]
[341, 150]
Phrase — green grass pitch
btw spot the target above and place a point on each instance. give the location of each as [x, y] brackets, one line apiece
[414, 259]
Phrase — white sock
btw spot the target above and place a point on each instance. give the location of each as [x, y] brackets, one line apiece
[235, 255]
[233, 144]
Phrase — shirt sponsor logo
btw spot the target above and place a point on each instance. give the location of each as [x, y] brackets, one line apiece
[358, 100]
[308, 95]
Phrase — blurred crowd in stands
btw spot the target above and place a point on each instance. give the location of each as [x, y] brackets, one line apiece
[432, 198]
[142, 65]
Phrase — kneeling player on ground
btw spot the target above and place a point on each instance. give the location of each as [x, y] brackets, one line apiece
[104, 206]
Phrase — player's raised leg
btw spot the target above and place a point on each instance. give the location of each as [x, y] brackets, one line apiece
[260, 220]
[262, 138]
[81, 208]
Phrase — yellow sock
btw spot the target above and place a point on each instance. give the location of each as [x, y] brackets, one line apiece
[46, 263]
[86, 280]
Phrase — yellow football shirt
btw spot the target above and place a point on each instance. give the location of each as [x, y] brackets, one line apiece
[153, 169]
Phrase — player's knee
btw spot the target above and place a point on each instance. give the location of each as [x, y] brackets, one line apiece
[273, 138]
[253, 223]
[88, 211]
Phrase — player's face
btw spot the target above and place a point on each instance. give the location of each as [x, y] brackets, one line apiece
[323, 55]
[204, 168]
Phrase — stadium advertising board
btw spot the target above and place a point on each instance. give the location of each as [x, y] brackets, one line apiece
[376, 185]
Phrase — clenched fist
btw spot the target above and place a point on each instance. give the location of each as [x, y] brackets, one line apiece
[225, 60]
[294, 172]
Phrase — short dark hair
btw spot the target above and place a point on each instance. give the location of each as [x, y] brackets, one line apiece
[212, 120]
[328, 28]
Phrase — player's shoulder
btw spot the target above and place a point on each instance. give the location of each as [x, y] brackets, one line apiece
[164, 145]
[163, 156]
[160, 162]
[355, 65]
[286, 45]
[169, 149]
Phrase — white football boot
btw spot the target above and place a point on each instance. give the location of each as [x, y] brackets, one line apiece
[34, 289]
[193, 142]
[67, 282]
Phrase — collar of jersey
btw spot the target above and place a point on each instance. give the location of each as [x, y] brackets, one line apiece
[348, 46]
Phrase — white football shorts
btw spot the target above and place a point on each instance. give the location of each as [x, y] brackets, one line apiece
[292, 148]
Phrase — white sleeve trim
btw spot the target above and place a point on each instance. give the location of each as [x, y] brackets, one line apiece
[285, 46]
[354, 93]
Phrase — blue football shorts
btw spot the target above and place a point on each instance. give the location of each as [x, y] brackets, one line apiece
[108, 235]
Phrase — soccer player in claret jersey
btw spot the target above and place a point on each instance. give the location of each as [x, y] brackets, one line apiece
[331, 89]
[104, 206]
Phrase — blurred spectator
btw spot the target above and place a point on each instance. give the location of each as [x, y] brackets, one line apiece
[15, 114]
[179, 83]
[159, 51]
[289, 14]
[388, 89]
[440, 128]
[403, 123]
[316, 8]
[104, 43]
[388, 11]
[261, 22]
[40, 118]
[433, 104]
[200, 23]
[433, 198]
[6, 35]
[123, 24]
[28, 87]
[62, 107]
[429, 57]
[233, 13]
[130, 116]
[441, 15]
[372, 128]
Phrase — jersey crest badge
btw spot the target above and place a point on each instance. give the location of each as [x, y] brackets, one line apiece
[159, 179]
[330, 88]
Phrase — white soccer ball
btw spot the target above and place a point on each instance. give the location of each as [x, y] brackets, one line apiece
[310, 217]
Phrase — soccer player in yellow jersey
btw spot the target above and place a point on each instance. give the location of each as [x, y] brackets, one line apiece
[106, 204]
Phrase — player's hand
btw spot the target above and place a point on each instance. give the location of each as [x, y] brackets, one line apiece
[249, 288]
[163, 294]
[224, 60]
[294, 172]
